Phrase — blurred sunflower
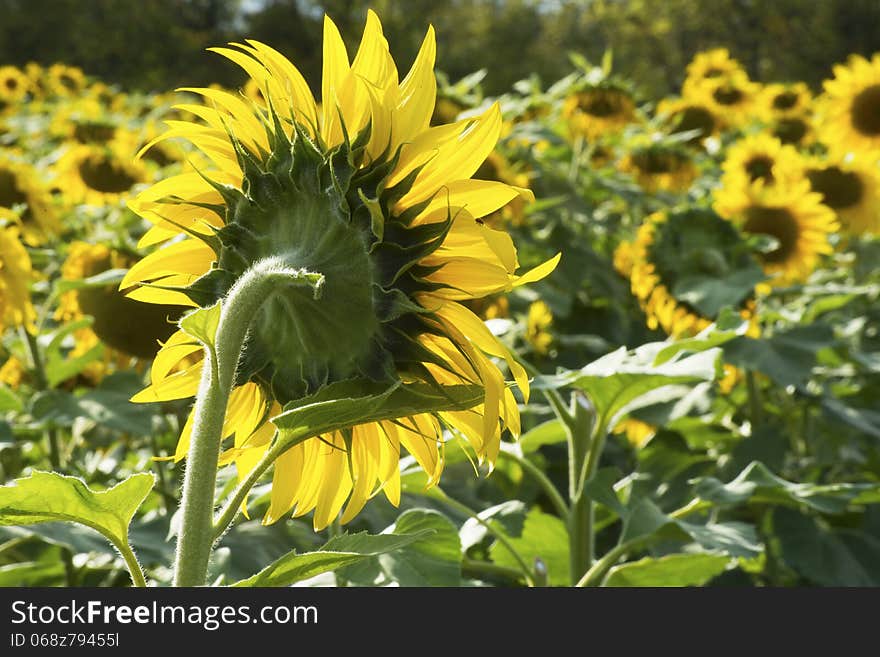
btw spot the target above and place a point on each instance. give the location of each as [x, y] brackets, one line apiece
[683, 115]
[760, 159]
[22, 192]
[12, 372]
[14, 86]
[84, 121]
[538, 321]
[130, 329]
[731, 98]
[64, 81]
[15, 278]
[778, 101]
[685, 266]
[709, 65]
[98, 175]
[637, 433]
[792, 215]
[793, 130]
[851, 188]
[851, 111]
[660, 167]
[595, 111]
[383, 206]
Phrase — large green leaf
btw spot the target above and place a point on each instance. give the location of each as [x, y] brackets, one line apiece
[9, 401]
[686, 569]
[336, 553]
[544, 537]
[347, 403]
[863, 419]
[49, 496]
[826, 556]
[623, 381]
[550, 432]
[756, 484]
[435, 561]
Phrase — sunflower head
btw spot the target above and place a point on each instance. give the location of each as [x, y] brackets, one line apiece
[795, 130]
[14, 86]
[15, 279]
[730, 97]
[779, 101]
[851, 188]
[23, 193]
[686, 266]
[596, 110]
[851, 121]
[761, 159]
[681, 115]
[538, 322]
[659, 166]
[98, 174]
[65, 81]
[792, 215]
[710, 65]
[365, 193]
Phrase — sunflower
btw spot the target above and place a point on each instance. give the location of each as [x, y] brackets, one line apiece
[779, 101]
[65, 81]
[731, 98]
[685, 266]
[12, 372]
[709, 65]
[538, 321]
[637, 433]
[14, 86]
[850, 187]
[598, 110]
[384, 206]
[760, 159]
[790, 213]
[130, 329]
[660, 167]
[98, 175]
[851, 121]
[84, 121]
[793, 130]
[682, 115]
[15, 278]
[22, 191]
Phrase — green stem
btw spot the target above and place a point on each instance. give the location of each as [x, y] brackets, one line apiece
[218, 373]
[43, 384]
[582, 448]
[499, 536]
[543, 480]
[131, 562]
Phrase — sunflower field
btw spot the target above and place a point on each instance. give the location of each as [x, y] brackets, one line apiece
[384, 328]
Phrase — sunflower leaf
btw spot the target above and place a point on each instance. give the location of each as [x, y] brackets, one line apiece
[337, 552]
[49, 497]
[686, 569]
[202, 324]
[357, 401]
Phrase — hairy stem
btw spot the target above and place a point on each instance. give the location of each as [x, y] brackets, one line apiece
[218, 374]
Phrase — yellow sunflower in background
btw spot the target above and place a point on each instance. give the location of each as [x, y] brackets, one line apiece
[637, 433]
[851, 108]
[850, 187]
[12, 372]
[792, 215]
[64, 81]
[709, 65]
[129, 329]
[593, 112]
[794, 130]
[779, 101]
[382, 205]
[14, 86]
[84, 121]
[685, 266]
[98, 175]
[15, 278]
[731, 98]
[760, 159]
[538, 321]
[660, 167]
[682, 115]
[23, 193]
